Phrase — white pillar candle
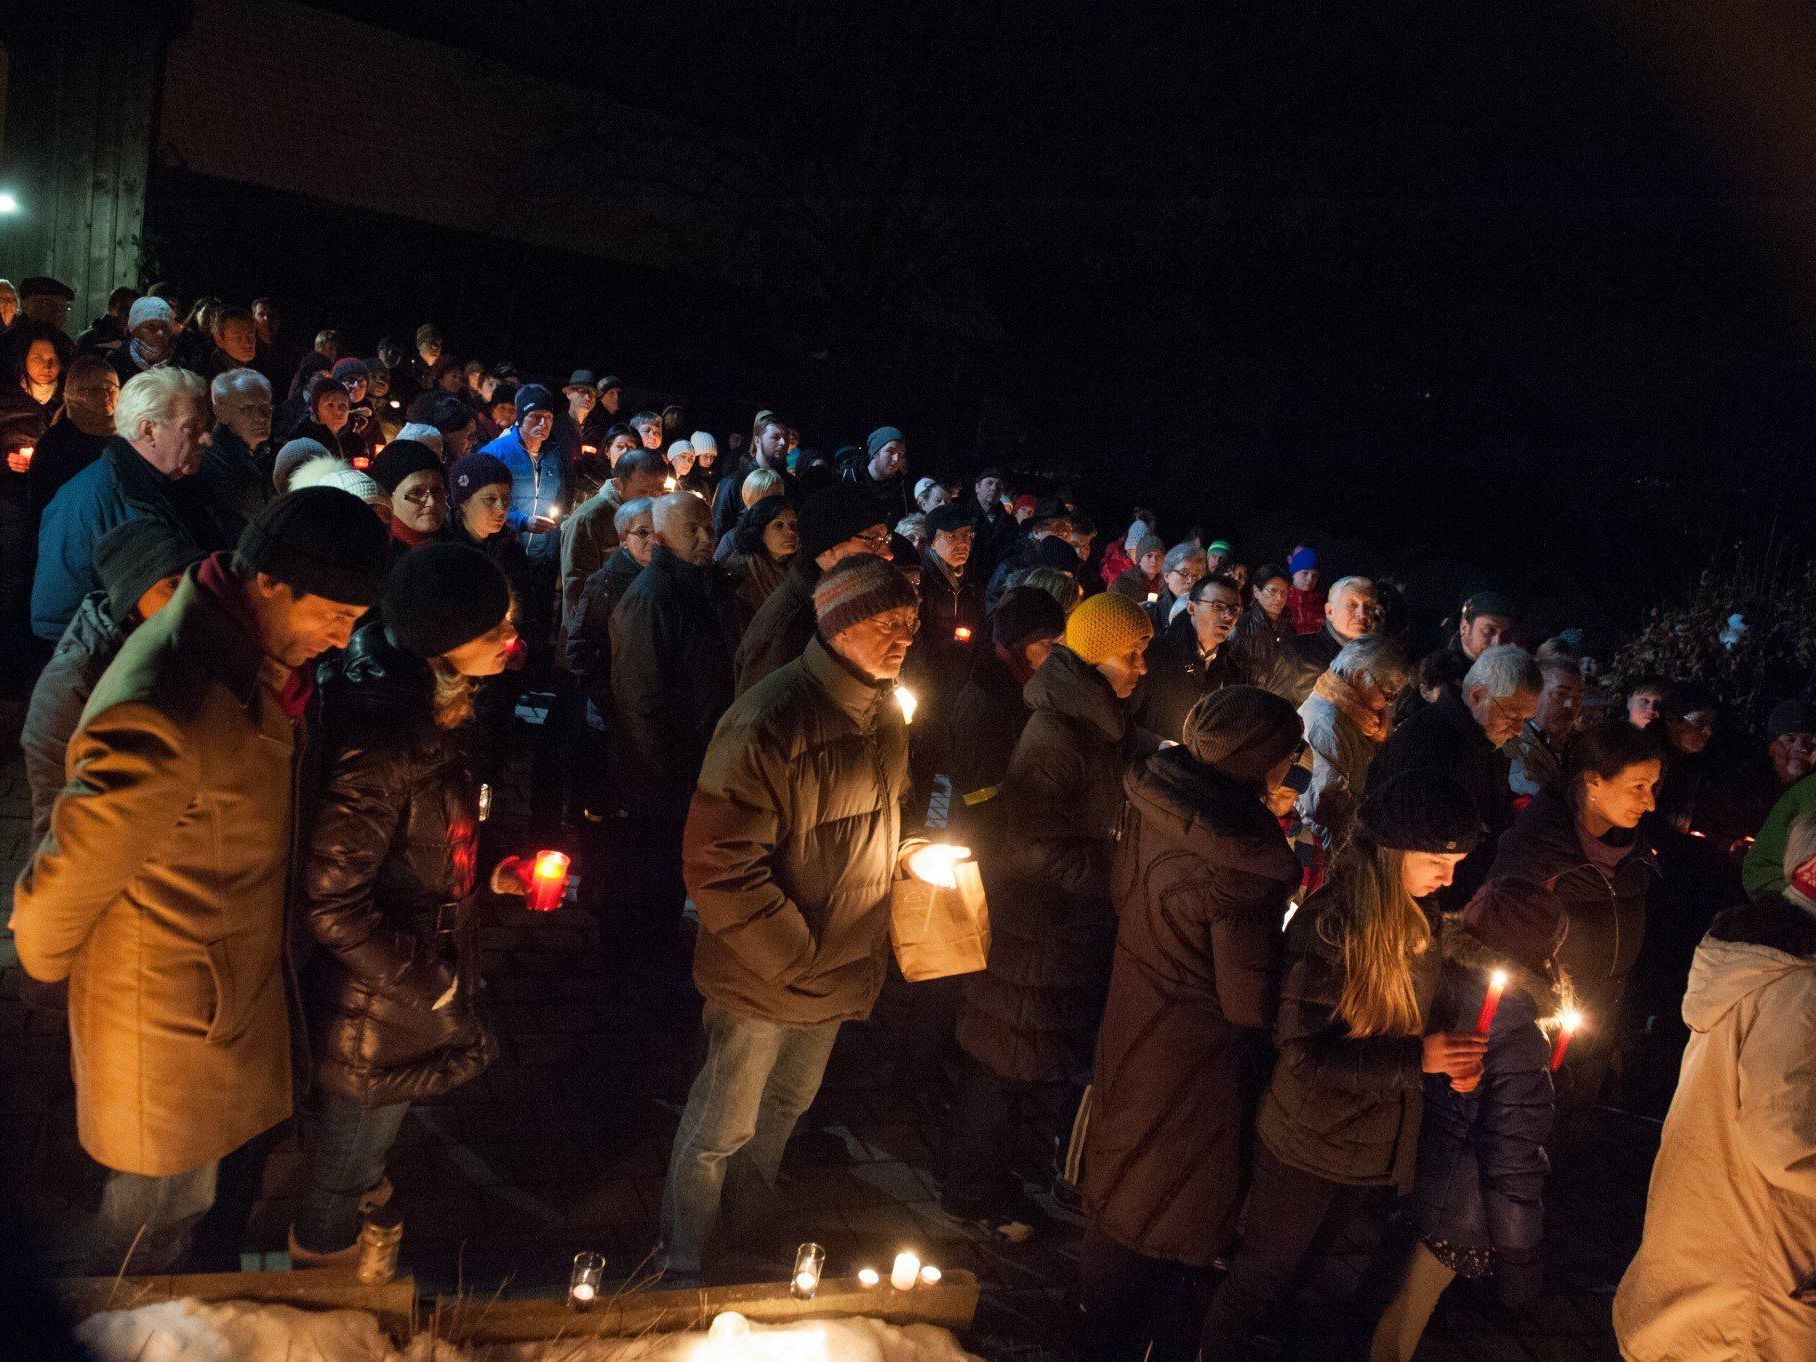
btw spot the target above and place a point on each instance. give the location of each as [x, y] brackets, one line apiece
[868, 1277]
[906, 1271]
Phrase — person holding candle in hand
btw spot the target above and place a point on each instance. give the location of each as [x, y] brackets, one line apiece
[792, 841]
[1479, 1182]
[1338, 1128]
[389, 880]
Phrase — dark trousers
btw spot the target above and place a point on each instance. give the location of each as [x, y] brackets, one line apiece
[1129, 1306]
[347, 1152]
[1309, 1243]
[987, 1119]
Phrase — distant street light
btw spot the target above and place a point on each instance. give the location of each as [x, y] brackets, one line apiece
[9, 201]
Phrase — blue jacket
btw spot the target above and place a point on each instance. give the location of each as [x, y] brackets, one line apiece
[537, 487]
[1478, 1191]
[117, 487]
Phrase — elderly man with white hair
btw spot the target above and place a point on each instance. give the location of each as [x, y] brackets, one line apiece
[149, 468]
[1347, 718]
[1462, 733]
[1351, 611]
[240, 453]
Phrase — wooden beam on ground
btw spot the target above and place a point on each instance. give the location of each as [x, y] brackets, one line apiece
[951, 1304]
[393, 1303]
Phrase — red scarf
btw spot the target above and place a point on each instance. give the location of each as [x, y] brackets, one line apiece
[215, 579]
[408, 537]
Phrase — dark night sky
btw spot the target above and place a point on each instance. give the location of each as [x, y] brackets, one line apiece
[1446, 282]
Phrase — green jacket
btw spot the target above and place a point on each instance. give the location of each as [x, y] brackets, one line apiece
[1763, 870]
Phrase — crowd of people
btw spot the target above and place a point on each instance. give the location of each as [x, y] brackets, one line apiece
[1311, 948]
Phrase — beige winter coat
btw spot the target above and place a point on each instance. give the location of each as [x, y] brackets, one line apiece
[1731, 1214]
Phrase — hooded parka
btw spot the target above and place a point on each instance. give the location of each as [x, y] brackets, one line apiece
[1201, 882]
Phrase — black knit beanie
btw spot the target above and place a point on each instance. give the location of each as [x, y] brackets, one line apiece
[1243, 731]
[440, 596]
[131, 558]
[401, 458]
[1025, 614]
[1421, 811]
[1055, 552]
[319, 542]
[834, 514]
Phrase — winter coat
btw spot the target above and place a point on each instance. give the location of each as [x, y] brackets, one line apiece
[588, 537]
[1444, 738]
[1032, 1014]
[1305, 610]
[160, 893]
[778, 633]
[1136, 585]
[1299, 661]
[1201, 881]
[1116, 561]
[673, 635]
[58, 697]
[792, 843]
[1257, 638]
[1534, 763]
[338, 443]
[589, 633]
[241, 474]
[539, 487]
[754, 576]
[1762, 872]
[64, 452]
[1605, 913]
[23, 422]
[892, 495]
[117, 487]
[987, 722]
[388, 886]
[1342, 755]
[940, 661]
[1478, 1191]
[1342, 1107]
[1178, 676]
[1731, 1213]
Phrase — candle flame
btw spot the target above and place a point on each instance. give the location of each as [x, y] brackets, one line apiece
[962, 634]
[930, 1275]
[868, 1277]
[905, 698]
[668, 484]
[1498, 978]
[1572, 1020]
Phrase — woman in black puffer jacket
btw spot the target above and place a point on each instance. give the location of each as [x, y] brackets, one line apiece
[389, 880]
[1030, 1020]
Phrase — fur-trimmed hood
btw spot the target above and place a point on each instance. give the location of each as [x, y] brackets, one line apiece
[1549, 990]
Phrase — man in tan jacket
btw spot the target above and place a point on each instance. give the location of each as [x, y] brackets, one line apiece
[160, 892]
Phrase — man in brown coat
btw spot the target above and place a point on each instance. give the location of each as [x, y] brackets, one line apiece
[791, 844]
[160, 892]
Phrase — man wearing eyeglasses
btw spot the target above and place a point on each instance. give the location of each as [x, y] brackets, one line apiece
[1190, 658]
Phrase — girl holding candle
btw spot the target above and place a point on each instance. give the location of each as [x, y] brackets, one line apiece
[1338, 1127]
[1480, 1176]
[1584, 846]
[389, 880]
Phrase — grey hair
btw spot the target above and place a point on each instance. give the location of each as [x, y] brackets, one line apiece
[915, 522]
[1180, 554]
[1503, 671]
[628, 512]
[1344, 585]
[1376, 657]
[152, 395]
[235, 381]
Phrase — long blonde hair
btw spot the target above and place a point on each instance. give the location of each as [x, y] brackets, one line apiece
[453, 703]
[1377, 929]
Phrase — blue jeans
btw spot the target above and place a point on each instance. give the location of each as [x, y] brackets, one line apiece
[346, 1160]
[757, 1080]
[152, 1218]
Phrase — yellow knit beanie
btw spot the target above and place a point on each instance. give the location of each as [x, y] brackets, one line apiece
[1106, 624]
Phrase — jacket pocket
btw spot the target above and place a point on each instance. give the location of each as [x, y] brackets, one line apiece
[229, 1022]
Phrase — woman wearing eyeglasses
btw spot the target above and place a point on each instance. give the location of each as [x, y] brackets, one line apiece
[412, 474]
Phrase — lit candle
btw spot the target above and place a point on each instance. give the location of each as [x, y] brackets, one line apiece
[668, 484]
[548, 882]
[589, 449]
[584, 1280]
[25, 453]
[906, 1272]
[930, 1275]
[361, 462]
[905, 698]
[379, 448]
[868, 1277]
[962, 634]
[810, 1261]
[936, 863]
[1572, 1020]
[1497, 984]
[1153, 598]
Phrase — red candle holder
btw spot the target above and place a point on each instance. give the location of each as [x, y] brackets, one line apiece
[548, 882]
[962, 634]
[25, 454]
[361, 462]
